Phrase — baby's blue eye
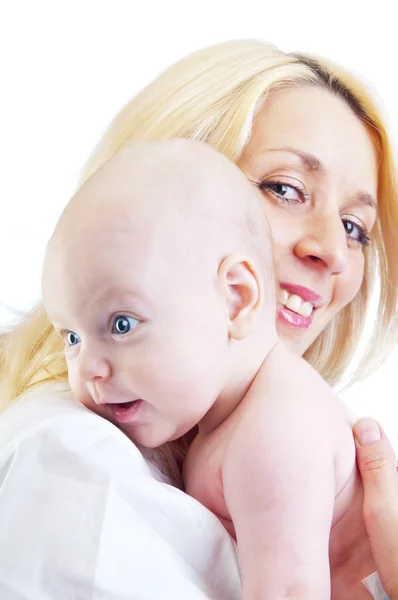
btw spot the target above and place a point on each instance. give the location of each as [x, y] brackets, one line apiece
[72, 338]
[123, 324]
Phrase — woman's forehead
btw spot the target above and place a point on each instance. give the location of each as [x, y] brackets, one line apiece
[319, 131]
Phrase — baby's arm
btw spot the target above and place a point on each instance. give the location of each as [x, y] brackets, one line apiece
[279, 488]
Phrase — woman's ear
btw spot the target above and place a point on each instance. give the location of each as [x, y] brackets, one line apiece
[242, 290]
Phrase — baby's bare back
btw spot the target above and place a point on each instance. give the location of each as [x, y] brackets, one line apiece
[288, 401]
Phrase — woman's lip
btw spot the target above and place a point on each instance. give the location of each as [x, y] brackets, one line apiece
[291, 318]
[124, 413]
[305, 293]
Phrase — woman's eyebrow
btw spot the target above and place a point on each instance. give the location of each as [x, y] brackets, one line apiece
[310, 161]
[367, 200]
[313, 164]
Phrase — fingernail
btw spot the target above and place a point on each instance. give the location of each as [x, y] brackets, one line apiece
[367, 431]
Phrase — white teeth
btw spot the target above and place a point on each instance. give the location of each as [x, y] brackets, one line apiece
[283, 296]
[306, 309]
[295, 303]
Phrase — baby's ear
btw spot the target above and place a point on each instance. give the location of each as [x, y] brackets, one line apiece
[241, 287]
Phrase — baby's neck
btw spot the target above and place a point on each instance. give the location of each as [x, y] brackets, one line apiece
[244, 373]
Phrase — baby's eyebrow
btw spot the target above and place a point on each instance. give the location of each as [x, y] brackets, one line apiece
[121, 294]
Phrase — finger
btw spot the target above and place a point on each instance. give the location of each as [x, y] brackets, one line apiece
[377, 465]
[376, 458]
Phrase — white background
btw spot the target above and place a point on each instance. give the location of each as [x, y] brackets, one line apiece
[68, 67]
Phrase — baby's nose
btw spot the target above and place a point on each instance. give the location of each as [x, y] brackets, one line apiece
[93, 364]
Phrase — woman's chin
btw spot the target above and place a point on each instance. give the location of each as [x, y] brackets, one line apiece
[297, 340]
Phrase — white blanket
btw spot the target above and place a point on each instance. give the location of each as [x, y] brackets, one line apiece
[83, 516]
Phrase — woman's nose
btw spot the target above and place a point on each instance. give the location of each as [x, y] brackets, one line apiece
[324, 244]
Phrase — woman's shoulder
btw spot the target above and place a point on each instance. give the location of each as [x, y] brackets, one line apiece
[78, 496]
[49, 407]
[36, 409]
[49, 412]
[48, 423]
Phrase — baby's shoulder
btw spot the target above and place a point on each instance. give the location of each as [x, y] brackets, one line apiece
[205, 456]
[202, 472]
[346, 473]
[295, 407]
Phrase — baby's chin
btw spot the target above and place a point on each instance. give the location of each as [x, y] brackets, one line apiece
[147, 436]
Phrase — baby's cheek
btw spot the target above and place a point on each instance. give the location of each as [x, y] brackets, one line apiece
[78, 388]
[81, 394]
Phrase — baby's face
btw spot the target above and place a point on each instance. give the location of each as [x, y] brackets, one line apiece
[132, 284]
[145, 335]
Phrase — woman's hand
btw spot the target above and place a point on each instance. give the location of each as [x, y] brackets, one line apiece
[378, 468]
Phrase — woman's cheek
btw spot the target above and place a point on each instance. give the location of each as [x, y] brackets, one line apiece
[351, 280]
[284, 234]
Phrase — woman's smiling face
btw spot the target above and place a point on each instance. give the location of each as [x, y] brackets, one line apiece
[315, 165]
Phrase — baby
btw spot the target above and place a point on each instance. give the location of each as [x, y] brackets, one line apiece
[158, 278]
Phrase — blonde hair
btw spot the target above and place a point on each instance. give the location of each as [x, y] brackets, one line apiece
[214, 96]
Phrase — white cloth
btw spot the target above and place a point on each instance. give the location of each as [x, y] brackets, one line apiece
[375, 587]
[84, 516]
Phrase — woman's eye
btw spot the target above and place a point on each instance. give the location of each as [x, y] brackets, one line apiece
[123, 324]
[357, 233]
[286, 192]
[72, 338]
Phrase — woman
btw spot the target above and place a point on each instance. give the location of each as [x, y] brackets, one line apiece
[309, 136]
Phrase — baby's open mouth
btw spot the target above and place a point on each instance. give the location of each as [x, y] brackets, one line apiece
[125, 411]
[125, 405]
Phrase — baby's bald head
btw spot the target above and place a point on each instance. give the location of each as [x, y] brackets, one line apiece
[152, 281]
[157, 218]
[178, 189]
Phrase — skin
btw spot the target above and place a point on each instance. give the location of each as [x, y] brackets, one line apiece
[306, 251]
[316, 122]
[327, 260]
[311, 245]
[378, 467]
[144, 208]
